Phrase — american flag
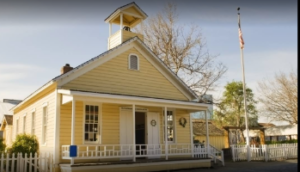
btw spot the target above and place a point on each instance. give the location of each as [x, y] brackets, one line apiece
[241, 35]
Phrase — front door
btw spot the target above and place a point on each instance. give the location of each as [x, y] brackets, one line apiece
[153, 123]
[126, 133]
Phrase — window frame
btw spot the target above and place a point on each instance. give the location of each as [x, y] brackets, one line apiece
[99, 141]
[44, 123]
[129, 62]
[174, 125]
[24, 123]
[17, 126]
[33, 114]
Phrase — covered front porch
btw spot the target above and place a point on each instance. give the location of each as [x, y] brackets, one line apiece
[112, 128]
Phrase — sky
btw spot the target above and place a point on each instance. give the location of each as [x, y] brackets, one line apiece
[38, 37]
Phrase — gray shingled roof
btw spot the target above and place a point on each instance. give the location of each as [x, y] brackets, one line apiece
[125, 6]
[9, 119]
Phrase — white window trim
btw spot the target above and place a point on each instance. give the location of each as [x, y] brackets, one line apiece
[138, 62]
[17, 125]
[45, 104]
[44, 139]
[24, 121]
[99, 122]
[174, 124]
[33, 122]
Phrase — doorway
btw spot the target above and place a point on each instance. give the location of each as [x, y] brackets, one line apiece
[140, 131]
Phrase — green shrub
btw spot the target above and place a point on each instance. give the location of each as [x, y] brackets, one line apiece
[25, 143]
[2, 146]
[280, 142]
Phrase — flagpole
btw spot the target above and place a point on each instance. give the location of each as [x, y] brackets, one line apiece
[244, 86]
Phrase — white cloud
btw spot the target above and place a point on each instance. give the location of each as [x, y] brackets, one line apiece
[18, 80]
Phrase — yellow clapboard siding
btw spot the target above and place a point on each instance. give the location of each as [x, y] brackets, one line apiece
[216, 141]
[127, 35]
[110, 124]
[115, 77]
[46, 96]
[182, 134]
[66, 122]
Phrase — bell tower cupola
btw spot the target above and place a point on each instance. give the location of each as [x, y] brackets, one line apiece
[127, 17]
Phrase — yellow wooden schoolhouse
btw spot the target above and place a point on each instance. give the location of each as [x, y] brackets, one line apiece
[124, 109]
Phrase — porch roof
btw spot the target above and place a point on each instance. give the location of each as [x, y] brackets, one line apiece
[129, 99]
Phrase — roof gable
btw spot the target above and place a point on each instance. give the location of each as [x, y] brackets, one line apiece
[110, 54]
[115, 77]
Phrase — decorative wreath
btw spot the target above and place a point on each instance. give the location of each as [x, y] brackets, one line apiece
[182, 121]
[153, 122]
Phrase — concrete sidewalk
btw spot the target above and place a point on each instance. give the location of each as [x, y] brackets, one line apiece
[290, 165]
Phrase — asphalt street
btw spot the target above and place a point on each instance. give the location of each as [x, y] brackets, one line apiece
[252, 166]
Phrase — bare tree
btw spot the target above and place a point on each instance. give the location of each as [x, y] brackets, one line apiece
[182, 50]
[279, 97]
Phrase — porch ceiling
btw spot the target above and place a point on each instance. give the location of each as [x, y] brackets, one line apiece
[127, 99]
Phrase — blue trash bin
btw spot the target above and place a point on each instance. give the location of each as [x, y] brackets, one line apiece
[73, 150]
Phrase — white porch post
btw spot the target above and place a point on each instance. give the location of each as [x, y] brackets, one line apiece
[73, 126]
[121, 21]
[207, 133]
[133, 132]
[121, 27]
[57, 129]
[166, 134]
[110, 28]
[192, 140]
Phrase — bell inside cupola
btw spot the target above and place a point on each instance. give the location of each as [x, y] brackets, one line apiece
[127, 17]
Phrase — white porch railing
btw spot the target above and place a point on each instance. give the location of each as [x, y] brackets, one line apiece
[200, 151]
[265, 152]
[217, 154]
[141, 150]
[27, 163]
[126, 150]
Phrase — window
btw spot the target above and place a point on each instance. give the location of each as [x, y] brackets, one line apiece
[44, 126]
[133, 62]
[91, 124]
[170, 126]
[33, 123]
[24, 123]
[17, 126]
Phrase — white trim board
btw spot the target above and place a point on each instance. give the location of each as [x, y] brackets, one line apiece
[142, 101]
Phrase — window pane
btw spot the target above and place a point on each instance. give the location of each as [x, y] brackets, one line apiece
[96, 109]
[96, 118]
[133, 62]
[170, 126]
[86, 128]
[91, 127]
[95, 128]
[95, 137]
[87, 118]
[92, 119]
[91, 123]
[86, 108]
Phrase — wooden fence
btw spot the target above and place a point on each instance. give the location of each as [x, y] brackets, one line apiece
[265, 152]
[26, 163]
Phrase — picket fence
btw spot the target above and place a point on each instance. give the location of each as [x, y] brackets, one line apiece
[265, 152]
[27, 163]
